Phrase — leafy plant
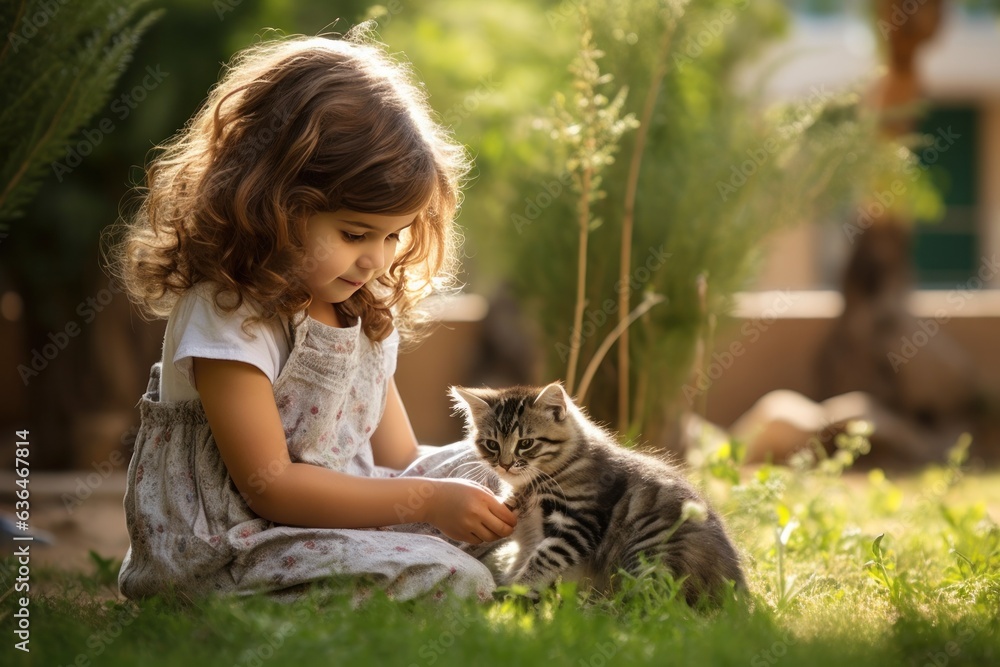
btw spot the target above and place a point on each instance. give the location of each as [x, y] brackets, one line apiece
[58, 65]
[590, 127]
[724, 462]
[882, 569]
[849, 445]
[654, 591]
[782, 533]
[716, 173]
[106, 569]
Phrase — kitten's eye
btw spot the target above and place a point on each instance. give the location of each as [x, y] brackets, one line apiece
[525, 444]
[491, 445]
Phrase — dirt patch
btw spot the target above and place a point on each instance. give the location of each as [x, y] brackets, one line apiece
[77, 511]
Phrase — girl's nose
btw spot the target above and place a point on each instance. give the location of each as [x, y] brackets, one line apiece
[372, 258]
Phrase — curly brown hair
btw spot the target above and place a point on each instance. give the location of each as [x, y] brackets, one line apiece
[296, 126]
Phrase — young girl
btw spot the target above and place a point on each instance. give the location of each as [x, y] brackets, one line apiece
[288, 232]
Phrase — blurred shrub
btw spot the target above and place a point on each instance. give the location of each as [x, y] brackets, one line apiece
[58, 66]
[719, 172]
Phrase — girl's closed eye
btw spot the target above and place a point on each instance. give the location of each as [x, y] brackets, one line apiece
[355, 238]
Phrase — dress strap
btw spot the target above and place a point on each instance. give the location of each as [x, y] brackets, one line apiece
[296, 325]
[153, 388]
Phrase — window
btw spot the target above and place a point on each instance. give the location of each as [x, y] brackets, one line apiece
[945, 253]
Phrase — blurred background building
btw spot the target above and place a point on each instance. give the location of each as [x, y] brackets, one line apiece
[797, 297]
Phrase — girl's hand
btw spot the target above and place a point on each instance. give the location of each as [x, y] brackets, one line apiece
[466, 511]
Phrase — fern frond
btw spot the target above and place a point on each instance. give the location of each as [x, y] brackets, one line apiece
[60, 62]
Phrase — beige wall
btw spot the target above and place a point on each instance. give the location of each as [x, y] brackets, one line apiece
[423, 376]
[791, 259]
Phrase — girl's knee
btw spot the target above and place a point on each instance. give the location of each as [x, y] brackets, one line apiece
[471, 579]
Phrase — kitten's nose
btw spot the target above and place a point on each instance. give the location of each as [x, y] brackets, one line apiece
[506, 466]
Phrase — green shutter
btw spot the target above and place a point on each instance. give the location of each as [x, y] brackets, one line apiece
[945, 253]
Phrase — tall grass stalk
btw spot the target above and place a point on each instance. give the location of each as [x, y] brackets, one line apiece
[592, 126]
[672, 12]
[586, 192]
[609, 340]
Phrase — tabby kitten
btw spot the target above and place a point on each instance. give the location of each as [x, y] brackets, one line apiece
[588, 506]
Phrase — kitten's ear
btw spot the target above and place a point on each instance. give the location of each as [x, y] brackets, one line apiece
[468, 402]
[553, 398]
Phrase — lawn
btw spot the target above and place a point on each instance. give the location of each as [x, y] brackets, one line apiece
[845, 567]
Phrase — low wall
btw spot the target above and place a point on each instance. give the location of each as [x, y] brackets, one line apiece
[779, 349]
[779, 333]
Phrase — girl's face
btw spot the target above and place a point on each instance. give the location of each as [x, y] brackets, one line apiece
[348, 249]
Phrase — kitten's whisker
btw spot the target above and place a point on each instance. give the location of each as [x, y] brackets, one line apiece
[480, 472]
[474, 464]
[481, 477]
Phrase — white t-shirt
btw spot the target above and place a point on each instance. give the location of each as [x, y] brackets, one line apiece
[196, 328]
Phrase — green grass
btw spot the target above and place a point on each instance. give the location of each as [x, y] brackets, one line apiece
[826, 589]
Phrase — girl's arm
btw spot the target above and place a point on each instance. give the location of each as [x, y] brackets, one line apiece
[393, 442]
[239, 403]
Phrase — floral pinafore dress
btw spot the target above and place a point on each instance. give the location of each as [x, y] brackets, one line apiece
[191, 530]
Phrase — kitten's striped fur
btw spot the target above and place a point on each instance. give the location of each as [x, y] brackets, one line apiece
[588, 506]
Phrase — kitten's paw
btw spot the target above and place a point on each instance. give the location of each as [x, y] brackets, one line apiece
[514, 503]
